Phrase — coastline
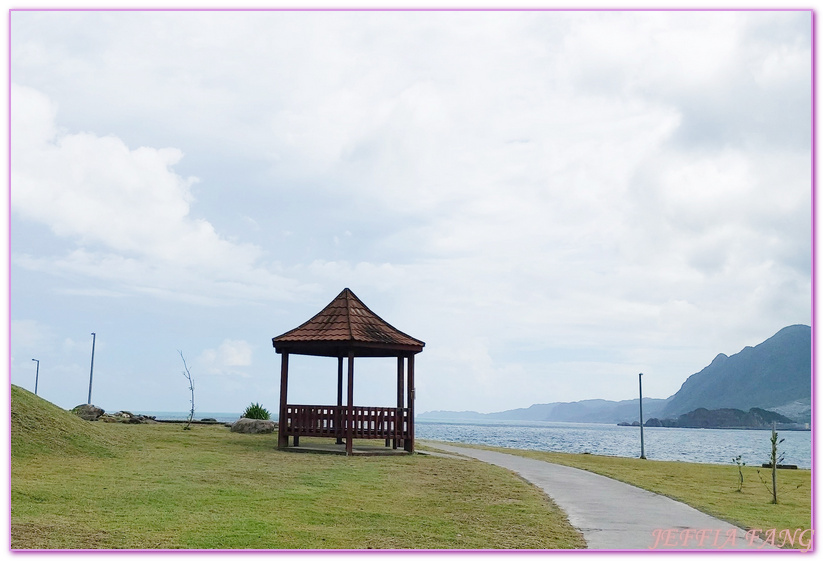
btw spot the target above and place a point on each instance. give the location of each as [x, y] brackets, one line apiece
[719, 427]
[714, 446]
[175, 416]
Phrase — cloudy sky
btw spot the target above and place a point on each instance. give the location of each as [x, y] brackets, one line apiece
[552, 201]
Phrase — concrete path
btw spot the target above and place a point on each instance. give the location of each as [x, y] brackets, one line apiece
[614, 515]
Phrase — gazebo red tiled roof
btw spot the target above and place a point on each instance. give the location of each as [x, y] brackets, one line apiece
[346, 324]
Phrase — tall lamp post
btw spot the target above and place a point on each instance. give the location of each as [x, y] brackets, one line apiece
[642, 449]
[36, 375]
[91, 372]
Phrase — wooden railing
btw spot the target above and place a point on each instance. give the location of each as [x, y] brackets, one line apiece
[330, 420]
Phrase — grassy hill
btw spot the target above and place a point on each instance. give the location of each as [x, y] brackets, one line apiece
[87, 485]
[39, 427]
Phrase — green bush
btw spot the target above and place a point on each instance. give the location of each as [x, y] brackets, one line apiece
[256, 411]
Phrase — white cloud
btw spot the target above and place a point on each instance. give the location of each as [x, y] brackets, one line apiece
[235, 353]
[229, 358]
[127, 209]
[628, 184]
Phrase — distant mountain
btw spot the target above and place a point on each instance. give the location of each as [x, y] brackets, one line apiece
[774, 374]
[800, 410]
[587, 411]
[451, 416]
[702, 418]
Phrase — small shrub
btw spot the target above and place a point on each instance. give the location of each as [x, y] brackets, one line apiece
[256, 411]
[740, 463]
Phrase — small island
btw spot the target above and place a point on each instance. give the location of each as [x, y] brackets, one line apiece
[702, 418]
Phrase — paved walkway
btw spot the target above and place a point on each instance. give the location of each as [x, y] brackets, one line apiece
[614, 515]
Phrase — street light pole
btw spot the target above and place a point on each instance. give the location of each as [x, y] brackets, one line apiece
[36, 375]
[642, 449]
[91, 372]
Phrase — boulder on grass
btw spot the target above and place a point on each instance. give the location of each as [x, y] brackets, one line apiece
[88, 412]
[127, 417]
[252, 426]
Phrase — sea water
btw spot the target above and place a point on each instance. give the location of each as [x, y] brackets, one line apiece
[716, 446]
[222, 417]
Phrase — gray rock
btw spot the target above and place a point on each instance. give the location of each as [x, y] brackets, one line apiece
[252, 426]
[88, 412]
[126, 417]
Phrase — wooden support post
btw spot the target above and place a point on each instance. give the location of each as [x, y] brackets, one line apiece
[339, 418]
[398, 422]
[282, 437]
[408, 445]
[350, 407]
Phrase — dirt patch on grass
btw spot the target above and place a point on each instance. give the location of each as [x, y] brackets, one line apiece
[52, 536]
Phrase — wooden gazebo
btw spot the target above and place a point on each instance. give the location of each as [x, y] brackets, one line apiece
[346, 328]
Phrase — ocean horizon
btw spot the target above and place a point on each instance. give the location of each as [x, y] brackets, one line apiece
[223, 417]
[714, 446]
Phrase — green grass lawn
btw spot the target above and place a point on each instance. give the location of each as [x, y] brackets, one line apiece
[710, 488]
[78, 484]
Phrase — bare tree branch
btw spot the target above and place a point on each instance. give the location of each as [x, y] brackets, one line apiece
[187, 375]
